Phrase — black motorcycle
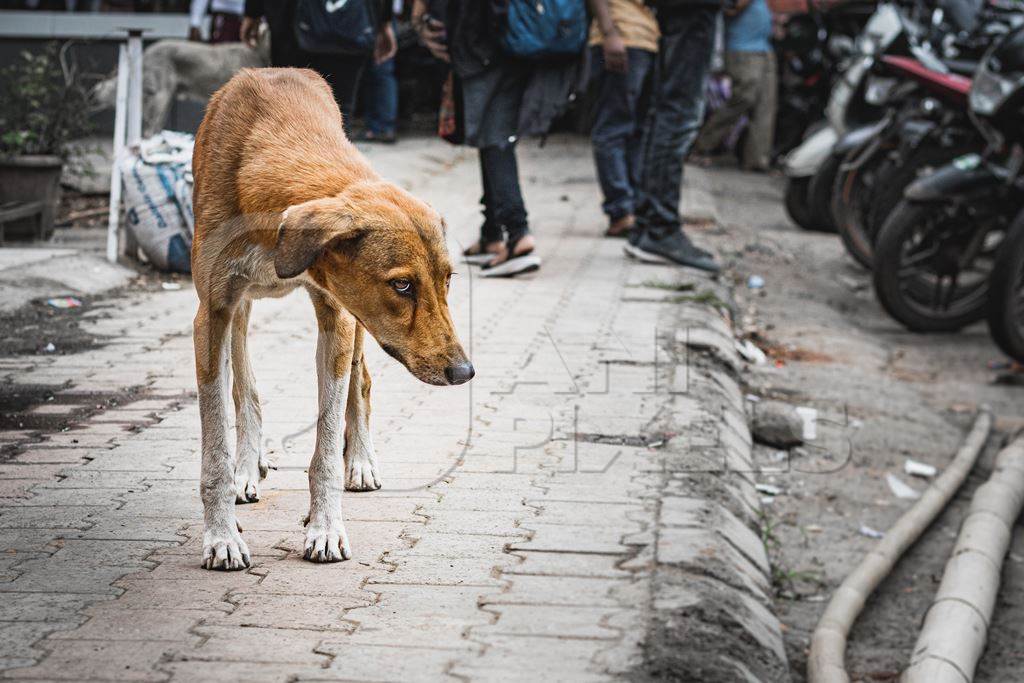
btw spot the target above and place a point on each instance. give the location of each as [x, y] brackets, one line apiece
[936, 255]
[808, 51]
[925, 126]
[912, 28]
[998, 103]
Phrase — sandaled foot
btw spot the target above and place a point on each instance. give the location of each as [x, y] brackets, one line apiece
[479, 253]
[516, 257]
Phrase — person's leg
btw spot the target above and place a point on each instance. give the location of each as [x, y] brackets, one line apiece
[499, 100]
[380, 97]
[514, 254]
[744, 75]
[615, 131]
[641, 106]
[491, 237]
[504, 195]
[670, 129]
[757, 151]
[685, 58]
[343, 74]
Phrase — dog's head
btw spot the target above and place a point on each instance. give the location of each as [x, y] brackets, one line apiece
[381, 253]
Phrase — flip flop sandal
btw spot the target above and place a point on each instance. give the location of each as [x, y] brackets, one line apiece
[478, 258]
[525, 262]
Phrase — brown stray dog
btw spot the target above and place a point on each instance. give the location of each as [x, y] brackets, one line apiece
[283, 200]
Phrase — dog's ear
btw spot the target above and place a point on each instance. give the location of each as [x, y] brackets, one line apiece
[306, 230]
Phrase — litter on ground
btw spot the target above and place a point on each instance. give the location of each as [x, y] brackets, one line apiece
[900, 489]
[919, 469]
[869, 532]
[64, 302]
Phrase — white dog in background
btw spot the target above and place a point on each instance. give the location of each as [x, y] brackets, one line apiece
[180, 67]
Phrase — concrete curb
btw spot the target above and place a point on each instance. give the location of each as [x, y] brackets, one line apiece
[712, 617]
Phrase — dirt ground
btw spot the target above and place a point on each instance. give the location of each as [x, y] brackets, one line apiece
[883, 395]
[40, 329]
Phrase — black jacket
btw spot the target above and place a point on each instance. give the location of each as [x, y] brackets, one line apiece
[280, 16]
[473, 27]
[472, 35]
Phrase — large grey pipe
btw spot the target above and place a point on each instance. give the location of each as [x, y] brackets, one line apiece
[956, 626]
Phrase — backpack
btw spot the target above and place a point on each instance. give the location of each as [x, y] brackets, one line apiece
[533, 29]
[340, 27]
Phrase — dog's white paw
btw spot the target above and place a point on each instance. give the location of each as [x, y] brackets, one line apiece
[224, 549]
[361, 474]
[248, 474]
[326, 544]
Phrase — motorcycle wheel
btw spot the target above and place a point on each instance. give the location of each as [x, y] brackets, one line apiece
[819, 195]
[1006, 294]
[796, 202]
[893, 177]
[932, 266]
[851, 203]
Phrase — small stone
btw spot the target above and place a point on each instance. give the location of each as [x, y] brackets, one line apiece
[777, 424]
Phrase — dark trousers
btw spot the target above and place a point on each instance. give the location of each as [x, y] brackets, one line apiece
[616, 135]
[343, 74]
[504, 210]
[677, 107]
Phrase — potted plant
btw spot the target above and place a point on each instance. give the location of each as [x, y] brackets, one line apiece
[42, 108]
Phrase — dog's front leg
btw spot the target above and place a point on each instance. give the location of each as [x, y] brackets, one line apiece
[361, 473]
[326, 540]
[223, 547]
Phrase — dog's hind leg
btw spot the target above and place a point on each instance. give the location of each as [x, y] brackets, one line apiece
[223, 547]
[250, 462]
[160, 86]
[361, 473]
[326, 540]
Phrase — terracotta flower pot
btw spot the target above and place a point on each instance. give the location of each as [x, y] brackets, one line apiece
[30, 178]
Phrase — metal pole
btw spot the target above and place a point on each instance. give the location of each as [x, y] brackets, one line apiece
[134, 134]
[120, 119]
[135, 86]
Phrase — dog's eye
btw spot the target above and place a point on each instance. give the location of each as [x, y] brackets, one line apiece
[402, 286]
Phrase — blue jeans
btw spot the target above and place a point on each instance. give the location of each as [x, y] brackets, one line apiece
[672, 124]
[380, 98]
[616, 135]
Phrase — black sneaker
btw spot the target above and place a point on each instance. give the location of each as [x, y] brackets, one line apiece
[674, 247]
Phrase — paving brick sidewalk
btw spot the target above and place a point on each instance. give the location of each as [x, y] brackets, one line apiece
[538, 522]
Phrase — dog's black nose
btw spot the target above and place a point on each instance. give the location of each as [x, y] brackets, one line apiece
[460, 373]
